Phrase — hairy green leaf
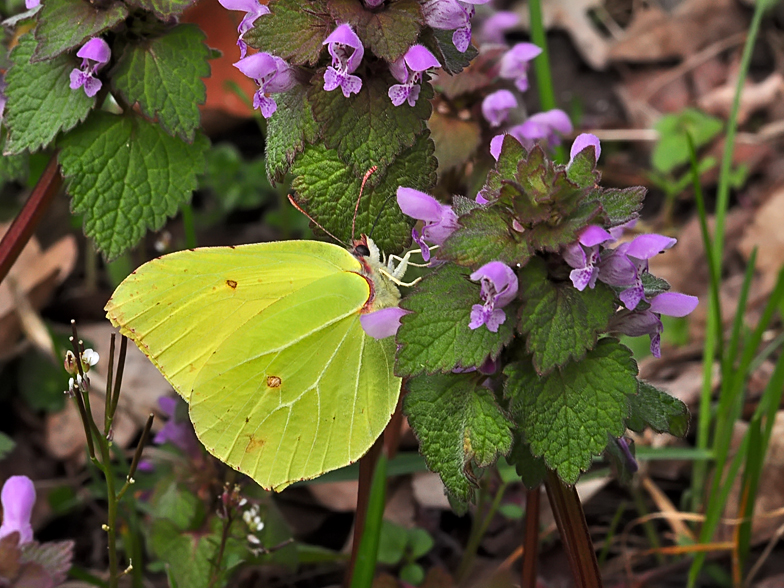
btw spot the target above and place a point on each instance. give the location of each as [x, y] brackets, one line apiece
[67, 24]
[560, 322]
[367, 129]
[40, 101]
[436, 337]
[293, 30]
[531, 470]
[163, 9]
[658, 410]
[163, 75]
[288, 130]
[387, 32]
[157, 174]
[458, 424]
[329, 190]
[567, 415]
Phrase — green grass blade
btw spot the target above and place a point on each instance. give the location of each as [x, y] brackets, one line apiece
[365, 566]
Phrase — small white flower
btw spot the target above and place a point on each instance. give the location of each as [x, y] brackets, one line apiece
[89, 359]
[254, 540]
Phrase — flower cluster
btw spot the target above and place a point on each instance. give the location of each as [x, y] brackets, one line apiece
[95, 53]
[253, 10]
[272, 74]
[89, 358]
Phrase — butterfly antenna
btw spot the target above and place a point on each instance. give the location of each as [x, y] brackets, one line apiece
[314, 221]
[368, 173]
[378, 216]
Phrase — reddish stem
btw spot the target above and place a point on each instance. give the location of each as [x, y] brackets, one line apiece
[28, 218]
[531, 547]
[570, 518]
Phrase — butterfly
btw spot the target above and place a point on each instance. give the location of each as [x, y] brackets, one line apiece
[265, 344]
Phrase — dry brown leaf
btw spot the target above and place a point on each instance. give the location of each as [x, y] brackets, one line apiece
[456, 140]
[655, 35]
[36, 274]
[574, 17]
[336, 496]
[429, 491]
[766, 235]
[755, 96]
[770, 494]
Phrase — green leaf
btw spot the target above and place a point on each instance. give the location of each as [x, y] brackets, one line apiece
[672, 149]
[441, 45]
[560, 322]
[485, 235]
[620, 205]
[293, 30]
[67, 24]
[329, 191]
[436, 337]
[388, 32]
[13, 168]
[582, 169]
[6, 445]
[653, 286]
[512, 152]
[367, 129]
[567, 415]
[163, 9]
[177, 505]
[420, 542]
[392, 543]
[288, 130]
[188, 556]
[40, 101]
[658, 410]
[158, 173]
[531, 470]
[457, 423]
[163, 75]
[41, 383]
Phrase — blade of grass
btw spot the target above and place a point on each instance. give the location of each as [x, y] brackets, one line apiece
[365, 564]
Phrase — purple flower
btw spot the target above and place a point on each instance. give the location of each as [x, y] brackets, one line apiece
[18, 498]
[498, 288]
[495, 145]
[648, 322]
[180, 434]
[272, 74]
[583, 141]
[346, 50]
[584, 254]
[408, 71]
[3, 97]
[451, 15]
[496, 107]
[440, 220]
[382, 323]
[492, 29]
[542, 126]
[253, 10]
[95, 53]
[514, 64]
[30, 4]
[624, 265]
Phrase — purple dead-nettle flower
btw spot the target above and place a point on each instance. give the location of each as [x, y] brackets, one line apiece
[648, 322]
[408, 71]
[452, 15]
[584, 254]
[624, 265]
[346, 50]
[30, 4]
[440, 220]
[18, 498]
[2, 95]
[95, 53]
[514, 64]
[546, 126]
[583, 141]
[496, 107]
[498, 288]
[178, 433]
[493, 28]
[383, 323]
[253, 10]
[272, 74]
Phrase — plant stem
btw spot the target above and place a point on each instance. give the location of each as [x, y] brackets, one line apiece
[531, 550]
[24, 224]
[478, 531]
[570, 518]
